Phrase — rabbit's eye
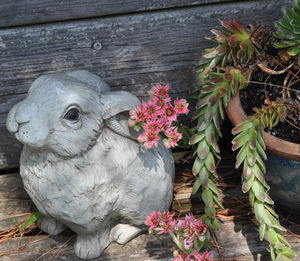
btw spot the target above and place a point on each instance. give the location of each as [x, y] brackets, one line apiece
[72, 115]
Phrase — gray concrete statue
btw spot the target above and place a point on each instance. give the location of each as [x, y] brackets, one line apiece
[82, 165]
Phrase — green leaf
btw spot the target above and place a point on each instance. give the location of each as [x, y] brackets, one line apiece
[196, 186]
[282, 240]
[272, 236]
[294, 50]
[242, 126]
[247, 184]
[260, 140]
[215, 223]
[247, 172]
[259, 175]
[259, 211]
[273, 253]
[289, 253]
[219, 204]
[242, 141]
[204, 177]
[271, 210]
[262, 229]
[221, 109]
[196, 138]
[243, 152]
[271, 221]
[285, 44]
[209, 134]
[198, 164]
[33, 218]
[210, 162]
[211, 185]
[259, 190]
[261, 150]
[207, 197]
[287, 12]
[251, 157]
[18, 226]
[261, 164]
[210, 211]
[203, 149]
[251, 198]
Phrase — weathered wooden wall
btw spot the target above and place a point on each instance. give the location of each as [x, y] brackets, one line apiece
[131, 44]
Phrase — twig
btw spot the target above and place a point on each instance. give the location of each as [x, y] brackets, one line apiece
[217, 245]
[273, 72]
[61, 247]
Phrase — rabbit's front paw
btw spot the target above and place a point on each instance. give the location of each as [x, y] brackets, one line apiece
[123, 233]
[50, 225]
[89, 246]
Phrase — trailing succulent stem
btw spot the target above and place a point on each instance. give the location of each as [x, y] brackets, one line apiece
[250, 142]
[216, 86]
[223, 70]
[215, 93]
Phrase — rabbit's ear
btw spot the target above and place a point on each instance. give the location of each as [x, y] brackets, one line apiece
[117, 102]
[90, 79]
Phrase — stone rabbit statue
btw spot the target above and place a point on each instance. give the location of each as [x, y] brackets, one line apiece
[82, 165]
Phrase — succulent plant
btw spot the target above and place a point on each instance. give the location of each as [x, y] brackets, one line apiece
[288, 29]
[222, 72]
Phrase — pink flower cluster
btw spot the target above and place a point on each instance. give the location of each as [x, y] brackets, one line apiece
[157, 115]
[196, 256]
[186, 233]
[161, 222]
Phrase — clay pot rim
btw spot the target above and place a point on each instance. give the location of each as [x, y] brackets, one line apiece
[274, 145]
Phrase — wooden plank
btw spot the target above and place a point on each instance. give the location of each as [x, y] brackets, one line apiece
[14, 13]
[237, 240]
[144, 247]
[137, 51]
[14, 201]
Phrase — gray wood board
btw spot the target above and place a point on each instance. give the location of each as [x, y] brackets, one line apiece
[16, 12]
[137, 51]
[238, 238]
[14, 201]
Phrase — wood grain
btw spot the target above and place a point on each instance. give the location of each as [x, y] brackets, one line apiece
[136, 52]
[16, 12]
[238, 238]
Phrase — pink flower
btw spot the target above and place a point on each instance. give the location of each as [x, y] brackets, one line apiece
[191, 228]
[161, 102]
[138, 114]
[187, 243]
[165, 226]
[152, 110]
[161, 222]
[152, 125]
[164, 124]
[170, 113]
[152, 220]
[173, 137]
[185, 257]
[161, 91]
[166, 216]
[181, 257]
[181, 224]
[181, 106]
[196, 256]
[149, 138]
[207, 256]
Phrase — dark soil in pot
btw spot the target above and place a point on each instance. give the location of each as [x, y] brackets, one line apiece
[264, 85]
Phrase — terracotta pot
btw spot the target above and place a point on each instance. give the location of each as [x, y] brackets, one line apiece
[283, 163]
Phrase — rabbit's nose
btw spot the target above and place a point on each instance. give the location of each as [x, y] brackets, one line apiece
[20, 118]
